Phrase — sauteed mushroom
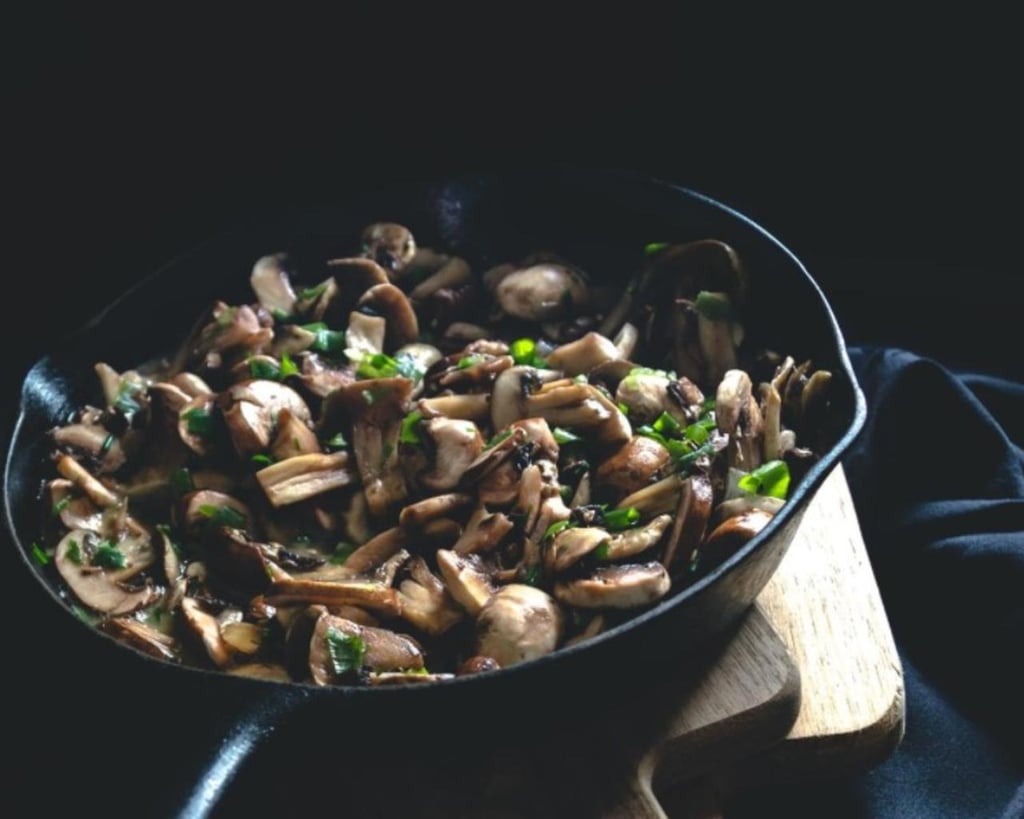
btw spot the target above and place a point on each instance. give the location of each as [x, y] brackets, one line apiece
[408, 463]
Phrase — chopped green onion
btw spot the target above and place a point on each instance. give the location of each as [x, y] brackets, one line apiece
[714, 306]
[288, 366]
[602, 552]
[109, 556]
[524, 352]
[226, 317]
[652, 248]
[686, 462]
[555, 529]
[771, 479]
[61, 505]
[311, 292]
[261, 460]
[623, 408]
[409, 433]
[563, 436]
[342, 552]
[266, 370]
[346, 651]
[470, 361]
[698, 432]
[108, 442]
[280, 315]
[667, 425]
[336, 442]
[42, 558]
[327, 340]
[380, 365]
[83, 615]
[618, 519]
[708, 405]
[531, 576]
[181, 481]
[199, 422]
[222, 516]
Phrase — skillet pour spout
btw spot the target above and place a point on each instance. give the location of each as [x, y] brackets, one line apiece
[596, 218]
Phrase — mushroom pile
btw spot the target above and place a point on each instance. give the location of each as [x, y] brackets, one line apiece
[397, 470]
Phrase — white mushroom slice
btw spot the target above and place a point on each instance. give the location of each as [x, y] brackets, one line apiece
[731, 400]
[771, 410]
[417, 514]
[748, 503]
[475, 407]
[95, 441]
[423, 355]
[484, 531]
[467, 580]
[626, 339]
[206, 510]
[378, 649]
[426, 602]
[271, 285]
[375, 551]
[570, 545]
[452, 273]
[99, 588]
[581, 356]
[272, 396]
[207, 629]
[544, 292]
[634, 541]
[494, 276]
[142, 637]
[617, 587]
[718, 337]
[74, 512]
[457, 444]
[304, 476]
[733, 533]
[374, 596]
[293, 438]
[657, 498]
[171, 560]
[69, 468]
[242, 637]
[364, 335]
[519, 623]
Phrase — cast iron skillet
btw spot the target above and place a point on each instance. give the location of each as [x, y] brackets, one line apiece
[599, 219]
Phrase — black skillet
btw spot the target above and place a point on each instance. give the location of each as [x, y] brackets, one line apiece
[205, 722]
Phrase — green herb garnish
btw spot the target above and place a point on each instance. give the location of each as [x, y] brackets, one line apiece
[555, 529]
[199, 422]
[563, 436]
[524, 352]
[714, 306]
[470, 361]
[74, 552]
[181, 481]
[667, 425]
[109, 556]
[42, 558]
[336, 442]
[409, 433]
[223, 516]
[346, 651]
[771, 479]
[311, 292]
[616, 520]
[603, 551]
[61, 505]
[266, 370]
[288, 366]
[326, 340]
[261, 460]
[380, 365]
[653, 248]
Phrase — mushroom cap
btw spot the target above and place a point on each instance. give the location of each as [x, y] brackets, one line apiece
[517, 624]
[103, 589]
[617, 587]
[543, 292]
[271, 283]
[633, 466]
[390, 244]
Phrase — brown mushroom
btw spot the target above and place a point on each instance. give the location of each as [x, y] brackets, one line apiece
[425, 601]
[467, 579]
[570, 545]
[729, 536]
[142, 637]
[543, 292]
[616, 587]
[519, 623]
[305, 476]
[453, 272]
[583, 355]
[368, 647]
[691, 520]
[635, 541]
[402, 326]
[391, 245]
[271, 283]
[636, 464]
[96, 571]
[456, 445]
[207, 629]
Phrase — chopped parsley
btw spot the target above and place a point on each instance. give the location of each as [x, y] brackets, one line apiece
[261, 460]
[181, 481]
[346, 651]
[331, 342]
[199, 422]
[618, 519]
[109, 556]
[381, 365]
[471, 361]
[497, 439]
[74, 552]
[563, 436]
[336, 442]
[61, 505]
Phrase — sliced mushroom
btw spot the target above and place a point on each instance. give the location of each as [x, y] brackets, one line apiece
[98, 588]
[453, 272]
[354, 276]
[691, 520]
[747, 503]
[477, 665]
[425, 601]
[207, 629]
[484, 531]
[423, 355]
[475, 407]
[93, 441]
[771, 411]
[99, 494]
[616, 587]
[543, 292]
[468, 581]
[271, 284]
[437, 506]
[626, 340]
[261, 671]
[142, 637]
[727, 538]
[389, 244]
[293, 438]
[570, 545]
[402, 326]
[456, 445]
[365, 335]
[636, 541]
[205, 511]
[382, 650]
[636, 464]
[584, 354]
[378, 678]
[74, 511]
[519, 623]
[375, 551]
[305, 476]
[365, 594]
[739, 416]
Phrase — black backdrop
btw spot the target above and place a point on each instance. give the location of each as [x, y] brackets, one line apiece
[884, 155]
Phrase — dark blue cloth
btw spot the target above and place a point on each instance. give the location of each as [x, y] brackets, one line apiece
[937, 477]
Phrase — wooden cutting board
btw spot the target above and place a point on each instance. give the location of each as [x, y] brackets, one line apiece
[809, 684]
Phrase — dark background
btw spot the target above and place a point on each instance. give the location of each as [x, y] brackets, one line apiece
[884, 153]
